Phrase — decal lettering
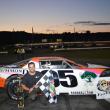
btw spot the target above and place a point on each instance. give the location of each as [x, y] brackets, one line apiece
[69, 80]
[108, 83]
[15, 70]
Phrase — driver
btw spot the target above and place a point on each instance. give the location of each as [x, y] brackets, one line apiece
[29, 81]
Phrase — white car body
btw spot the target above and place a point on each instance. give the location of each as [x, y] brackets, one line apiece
[72, 78]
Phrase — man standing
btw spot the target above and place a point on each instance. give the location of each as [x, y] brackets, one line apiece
[30, 79]
[20, 53]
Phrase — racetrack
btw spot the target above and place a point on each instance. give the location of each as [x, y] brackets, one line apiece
[64, 102]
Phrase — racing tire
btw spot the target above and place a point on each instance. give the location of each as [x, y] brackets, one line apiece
[11, 88]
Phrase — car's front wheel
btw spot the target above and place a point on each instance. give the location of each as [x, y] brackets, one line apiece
[13, 88]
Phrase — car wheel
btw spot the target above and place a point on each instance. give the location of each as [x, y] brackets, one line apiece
[12, 88]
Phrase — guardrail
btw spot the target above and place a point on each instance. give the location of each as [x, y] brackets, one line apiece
[60, 49]
[3, 52]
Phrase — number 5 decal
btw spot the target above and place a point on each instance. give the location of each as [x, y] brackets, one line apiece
[67, 79]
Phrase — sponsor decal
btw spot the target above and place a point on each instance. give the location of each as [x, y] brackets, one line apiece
[103, 85]
[103, 88]
[88, 76]
[82, 93]
[12, 70]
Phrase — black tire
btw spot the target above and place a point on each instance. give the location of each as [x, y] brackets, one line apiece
[11, 87]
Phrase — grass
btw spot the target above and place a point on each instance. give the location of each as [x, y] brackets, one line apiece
[99, 56]
[100, 53]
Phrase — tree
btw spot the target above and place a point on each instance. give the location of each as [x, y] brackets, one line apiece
[88, 76]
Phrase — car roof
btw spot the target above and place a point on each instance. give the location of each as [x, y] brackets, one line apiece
[47, 58]
[55, 58]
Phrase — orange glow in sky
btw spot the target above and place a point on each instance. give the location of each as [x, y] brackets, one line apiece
[55, 16]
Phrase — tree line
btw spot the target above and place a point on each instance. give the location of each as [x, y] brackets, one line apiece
[24, 37]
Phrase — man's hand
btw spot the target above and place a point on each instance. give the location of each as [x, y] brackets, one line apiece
[36, 86]
[31, 89]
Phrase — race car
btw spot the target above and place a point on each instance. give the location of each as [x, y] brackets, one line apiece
[69, 77]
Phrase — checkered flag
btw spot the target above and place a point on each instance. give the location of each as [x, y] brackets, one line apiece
[46, 84]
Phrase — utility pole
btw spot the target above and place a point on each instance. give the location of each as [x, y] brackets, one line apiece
[13, 30]
[32, 30]
[74, 29]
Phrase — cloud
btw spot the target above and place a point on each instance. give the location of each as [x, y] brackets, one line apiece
[85, 22]
[102, 24]
[92, 23]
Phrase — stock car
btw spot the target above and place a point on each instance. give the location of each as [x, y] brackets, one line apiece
[70, 77]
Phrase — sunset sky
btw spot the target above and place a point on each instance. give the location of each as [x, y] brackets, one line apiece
[55, 16]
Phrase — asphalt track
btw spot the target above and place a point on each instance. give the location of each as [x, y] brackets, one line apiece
[65, 102]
